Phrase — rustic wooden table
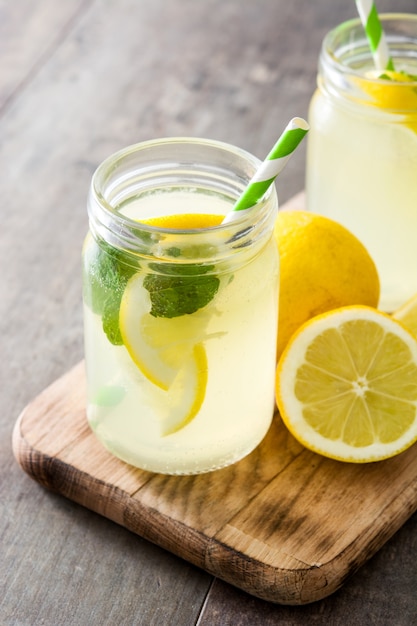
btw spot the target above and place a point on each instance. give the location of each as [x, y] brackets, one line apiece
[80, 79]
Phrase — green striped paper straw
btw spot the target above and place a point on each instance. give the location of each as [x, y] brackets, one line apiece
[375, 34]
[271, 167]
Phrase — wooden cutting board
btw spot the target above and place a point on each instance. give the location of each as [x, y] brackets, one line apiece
[283, 524]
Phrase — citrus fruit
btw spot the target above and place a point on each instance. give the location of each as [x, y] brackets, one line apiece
[323, 267]
[159, 346]
[407, 314]
[166, 344]
[184, 221]
[187, 392]
[346, 385]
[393, 91]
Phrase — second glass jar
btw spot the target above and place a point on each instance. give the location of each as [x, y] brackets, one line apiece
[362, 148]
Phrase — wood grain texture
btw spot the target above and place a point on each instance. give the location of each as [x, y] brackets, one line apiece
[283, 524]
[80, 79]
[29, 34]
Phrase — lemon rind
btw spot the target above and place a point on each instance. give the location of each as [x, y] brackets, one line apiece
[199, 357]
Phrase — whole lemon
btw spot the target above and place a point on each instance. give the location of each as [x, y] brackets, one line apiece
[323, 267]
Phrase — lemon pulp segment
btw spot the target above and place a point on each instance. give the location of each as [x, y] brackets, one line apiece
[158, 346]
[186, 394]
[407, 315]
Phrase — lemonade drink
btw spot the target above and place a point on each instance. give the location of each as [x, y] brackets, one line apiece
[180, 310]
[362, 149]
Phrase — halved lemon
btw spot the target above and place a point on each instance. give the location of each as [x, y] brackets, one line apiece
[159, 346]
[346, 385]
[407, 315]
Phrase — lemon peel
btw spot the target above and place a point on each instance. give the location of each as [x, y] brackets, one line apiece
[186, 394]
[323, 266]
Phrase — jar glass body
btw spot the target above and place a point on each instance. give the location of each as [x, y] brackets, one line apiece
[362, 149]
[180, 324]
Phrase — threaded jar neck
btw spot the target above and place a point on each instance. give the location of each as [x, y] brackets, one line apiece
[165, 165]
[347, 70]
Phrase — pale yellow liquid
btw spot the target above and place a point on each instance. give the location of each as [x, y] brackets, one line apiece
[362, 172]
[240, 342]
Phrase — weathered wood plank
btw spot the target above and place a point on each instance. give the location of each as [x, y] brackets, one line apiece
[377, 594]
[29, 33]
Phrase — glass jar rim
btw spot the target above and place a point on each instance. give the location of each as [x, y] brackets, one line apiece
[330, 45]
[111, 162]
[211, 165]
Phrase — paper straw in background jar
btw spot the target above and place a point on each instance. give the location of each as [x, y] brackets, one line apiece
[271, 167]
[375, 35]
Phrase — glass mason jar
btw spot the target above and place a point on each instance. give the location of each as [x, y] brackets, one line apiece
[362, 148]
[180, 310]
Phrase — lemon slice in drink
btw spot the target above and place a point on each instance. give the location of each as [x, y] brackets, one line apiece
[187, 392]
[184, 221]
[347, 385]
[158, 346]
[169, 349]
[161, 345]
[407, 314]
[394, 91]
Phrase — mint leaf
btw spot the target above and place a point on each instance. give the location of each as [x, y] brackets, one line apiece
[412, 77]
[109, 395]
[106, 272]
[110, 318]
[173, 295]
[385, 76]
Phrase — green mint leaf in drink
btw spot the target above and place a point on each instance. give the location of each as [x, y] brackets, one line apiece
[400, 76]
[110, 317]
[174, 295]
[108, 273]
